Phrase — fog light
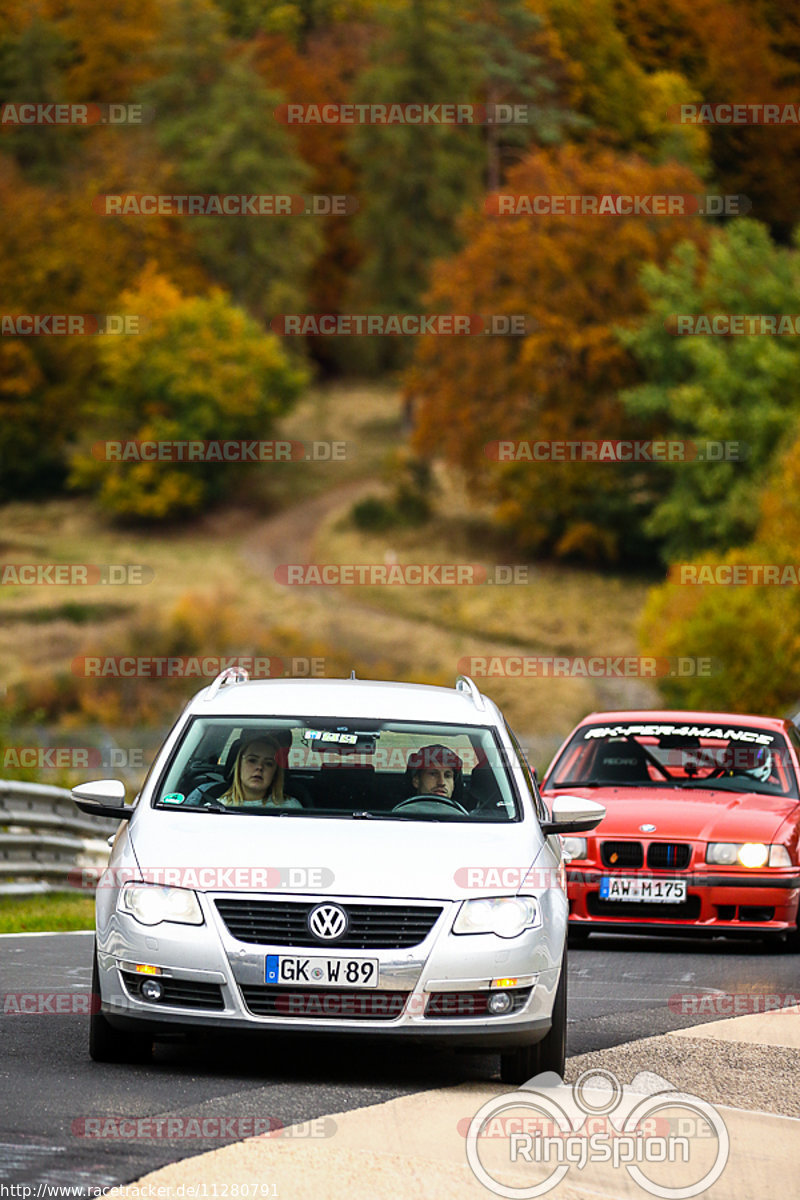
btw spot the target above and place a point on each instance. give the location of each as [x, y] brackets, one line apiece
[499, 1002]
[152, 989]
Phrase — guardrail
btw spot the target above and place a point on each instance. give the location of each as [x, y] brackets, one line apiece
[44, 838]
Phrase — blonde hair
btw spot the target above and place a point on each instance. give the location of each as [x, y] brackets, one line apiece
[235, 793]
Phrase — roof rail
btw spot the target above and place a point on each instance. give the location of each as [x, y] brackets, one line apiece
[226, 677]
[465, 684]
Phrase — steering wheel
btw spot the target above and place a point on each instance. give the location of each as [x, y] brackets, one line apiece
[446, 800]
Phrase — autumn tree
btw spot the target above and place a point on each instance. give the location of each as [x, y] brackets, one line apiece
[731, 51]
[576, 279]
[201, 369]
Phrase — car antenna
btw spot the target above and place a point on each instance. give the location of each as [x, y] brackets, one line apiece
[352, 672]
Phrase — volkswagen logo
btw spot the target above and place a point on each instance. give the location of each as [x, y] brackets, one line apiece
[647, 828]
[328, 922]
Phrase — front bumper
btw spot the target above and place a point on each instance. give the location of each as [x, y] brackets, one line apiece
[725, 902]
[211, 979]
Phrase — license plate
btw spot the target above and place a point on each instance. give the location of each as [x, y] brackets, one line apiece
[294, 969]
[660, 891]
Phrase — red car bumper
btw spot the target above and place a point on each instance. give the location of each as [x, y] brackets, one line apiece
[726, 902]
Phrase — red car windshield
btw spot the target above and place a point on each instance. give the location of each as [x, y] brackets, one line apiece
[662, 754]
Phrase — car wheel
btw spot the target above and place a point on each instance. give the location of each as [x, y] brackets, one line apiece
[550, 1054]
[110, 1045]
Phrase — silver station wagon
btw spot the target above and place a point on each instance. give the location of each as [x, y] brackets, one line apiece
[341, 856]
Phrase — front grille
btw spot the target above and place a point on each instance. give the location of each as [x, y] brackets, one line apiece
[672, 856]
[685, 910]
[472, 1004]
[354, 1004]
[622, 855]
[182, 993]
[371, 926]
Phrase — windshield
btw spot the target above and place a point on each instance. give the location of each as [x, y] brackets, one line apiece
[365, 769]
[731, 758]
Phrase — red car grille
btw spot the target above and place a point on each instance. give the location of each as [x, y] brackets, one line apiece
[622, 855]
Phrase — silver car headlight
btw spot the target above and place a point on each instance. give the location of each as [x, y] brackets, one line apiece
[151, 904]
[746, 854]
[505, 916]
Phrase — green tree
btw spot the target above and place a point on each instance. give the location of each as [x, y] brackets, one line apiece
[201, 369]
[741, 389]
[414, 179]
[216, 130]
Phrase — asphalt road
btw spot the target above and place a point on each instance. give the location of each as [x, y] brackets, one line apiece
[620, 990]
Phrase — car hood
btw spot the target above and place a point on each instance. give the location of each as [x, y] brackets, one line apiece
[213, 852]
[697, 814]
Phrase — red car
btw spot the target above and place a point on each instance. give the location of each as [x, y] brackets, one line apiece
[702, 825]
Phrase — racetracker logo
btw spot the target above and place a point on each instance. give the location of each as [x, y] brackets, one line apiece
[74, 574]
[734, 114]
[733, 324]
[449, 113]
[735, 574]
[60, 1004]
[613, 204]
[221, 452]
[205, 879]
[124, 666]
[613, 450]
[548, 666]
[137, 204]
[69, 324]
[401, 324]
[524, 1143]
[398, 574]
[733, 1004]
[74, 114]
[172, 1129]
[72, 758]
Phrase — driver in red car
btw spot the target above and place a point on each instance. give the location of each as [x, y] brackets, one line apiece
[435, 771]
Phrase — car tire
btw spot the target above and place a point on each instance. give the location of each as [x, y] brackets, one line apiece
[110, 1045]
[550, 1054]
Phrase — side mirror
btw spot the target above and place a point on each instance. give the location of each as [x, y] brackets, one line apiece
[570, 814]
[103, 798]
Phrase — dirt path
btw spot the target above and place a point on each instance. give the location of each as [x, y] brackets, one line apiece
[335, 615]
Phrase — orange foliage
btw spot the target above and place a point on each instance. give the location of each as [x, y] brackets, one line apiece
[576, 278]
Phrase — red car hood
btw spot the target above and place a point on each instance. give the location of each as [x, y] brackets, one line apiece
[697, 814]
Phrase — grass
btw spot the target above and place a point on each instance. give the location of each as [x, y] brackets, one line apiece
[50, 912]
